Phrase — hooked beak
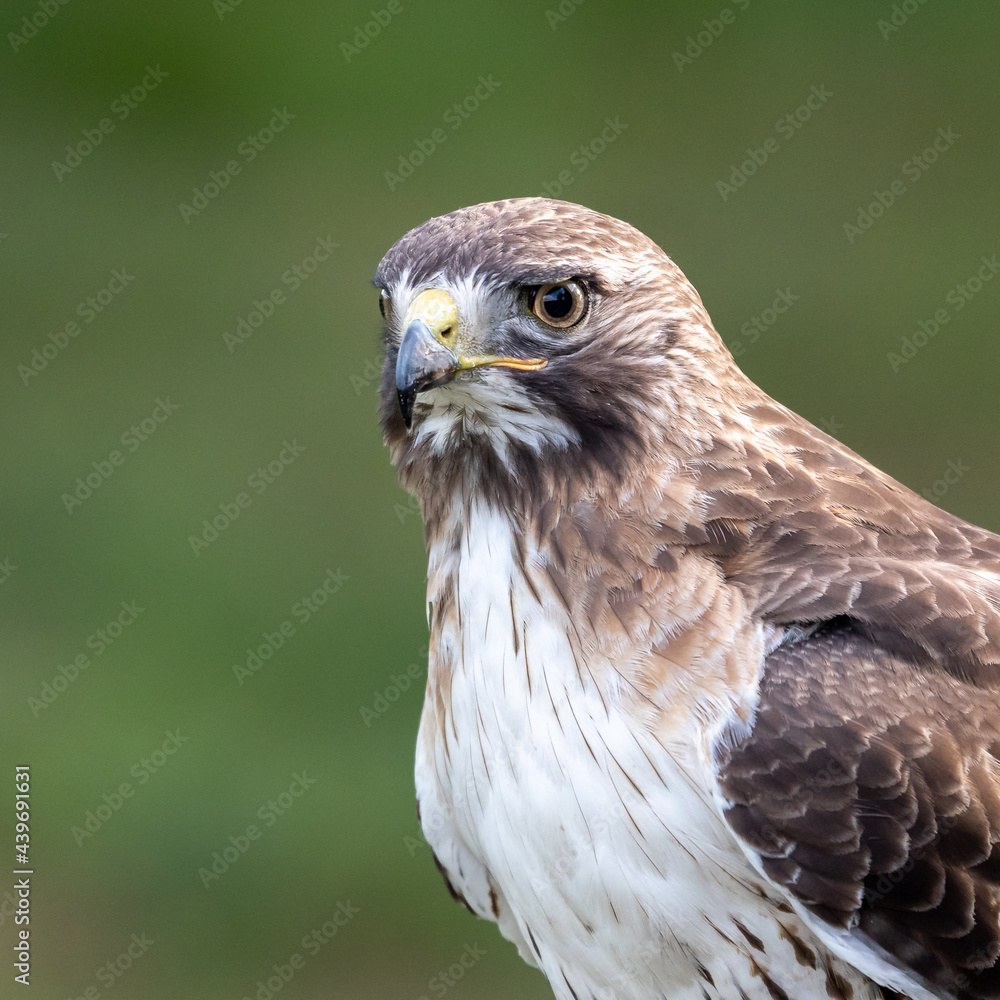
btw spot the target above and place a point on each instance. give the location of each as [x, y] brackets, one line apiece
[427, 356]
[422, 363]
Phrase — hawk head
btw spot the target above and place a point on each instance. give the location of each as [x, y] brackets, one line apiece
[533, 334]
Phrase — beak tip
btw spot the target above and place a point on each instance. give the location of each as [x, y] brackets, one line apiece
[406, 398]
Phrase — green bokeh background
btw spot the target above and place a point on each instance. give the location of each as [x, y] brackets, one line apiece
[305, 375]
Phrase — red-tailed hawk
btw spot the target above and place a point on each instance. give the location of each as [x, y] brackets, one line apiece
[712, 703]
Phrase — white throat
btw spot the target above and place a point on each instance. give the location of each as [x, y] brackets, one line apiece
[493, 409]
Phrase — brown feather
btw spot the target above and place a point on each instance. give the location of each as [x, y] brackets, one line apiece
[910, 858]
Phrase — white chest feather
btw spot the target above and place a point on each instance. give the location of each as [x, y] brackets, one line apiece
[559, 807]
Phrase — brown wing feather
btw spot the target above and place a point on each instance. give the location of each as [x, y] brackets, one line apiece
[869, 787]
[813, 531]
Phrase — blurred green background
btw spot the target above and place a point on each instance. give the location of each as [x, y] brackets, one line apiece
[204, 80]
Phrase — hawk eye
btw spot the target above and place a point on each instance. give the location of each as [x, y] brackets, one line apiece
[561, 304]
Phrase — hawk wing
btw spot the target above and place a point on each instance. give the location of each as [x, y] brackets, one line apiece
[869, 789]
[868, 786]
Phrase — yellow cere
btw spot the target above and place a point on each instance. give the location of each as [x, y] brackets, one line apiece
[436, 308]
